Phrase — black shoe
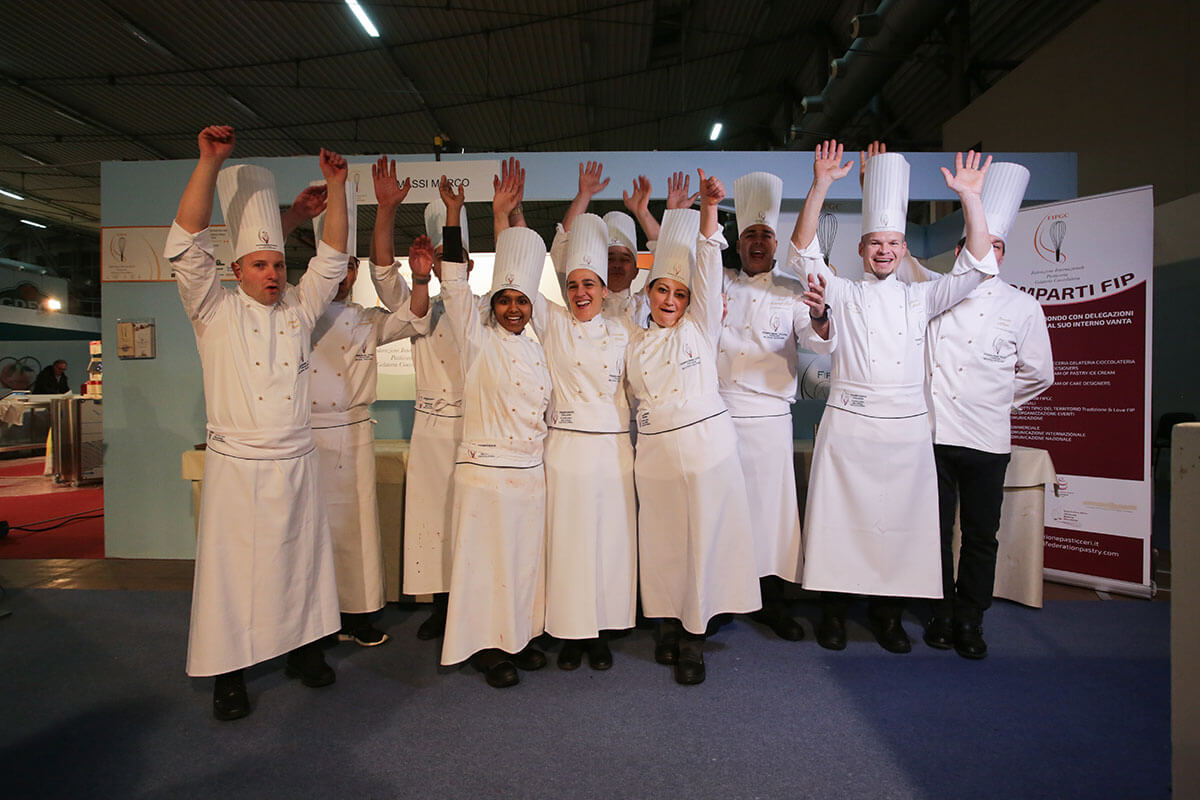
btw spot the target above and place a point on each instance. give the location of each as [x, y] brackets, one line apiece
[666, 651]
[968, 640]
[435, 626]
[890, 635]
[529, 659]
[599, 656]
[229, 696]
[779, 621]
[831, 633]
[364, 635]
[571, 654]
[496, 667]
[308, 664]
[689, 669]
[939, 633]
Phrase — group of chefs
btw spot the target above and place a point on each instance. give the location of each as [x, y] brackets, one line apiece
[637, 452]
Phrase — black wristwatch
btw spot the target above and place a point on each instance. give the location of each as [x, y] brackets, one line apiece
[824, 315]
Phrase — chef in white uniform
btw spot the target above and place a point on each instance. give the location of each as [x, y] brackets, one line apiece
[437, 421]
[498, 581]
[344, 378]
[985, 357]
[591, 512]
[264, 581]
[696, 558]
[757, 362]
[871, 519]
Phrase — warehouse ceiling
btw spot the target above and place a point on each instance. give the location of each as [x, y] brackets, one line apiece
[87, 81]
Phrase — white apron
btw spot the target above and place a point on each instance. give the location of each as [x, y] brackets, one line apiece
[591, 534]
[264, 582]
[696, 557]
[346, 455]
[429, 503]
[498, 584]
[767, 457]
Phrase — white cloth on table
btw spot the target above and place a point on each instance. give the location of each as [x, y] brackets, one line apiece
[264, 580]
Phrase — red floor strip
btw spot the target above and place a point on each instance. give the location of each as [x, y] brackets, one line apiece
[78, 539]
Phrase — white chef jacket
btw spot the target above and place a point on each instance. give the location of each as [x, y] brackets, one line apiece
[986, 356]
[765, 320]
[264, 569]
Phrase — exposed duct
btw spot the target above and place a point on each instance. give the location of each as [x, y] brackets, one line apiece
[858, 76]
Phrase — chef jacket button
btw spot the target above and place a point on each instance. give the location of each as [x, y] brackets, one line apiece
[443, 361]
[258, 365]
[285, 363]
[960, 369]
[953, 397]
[541, 388]
[339, 374]
[334, 403]
[970, 340]
[314, 402]
[281, 333]
[260, 397]
[289, 397]
[897, 363]
[514, 411]
[256, 330]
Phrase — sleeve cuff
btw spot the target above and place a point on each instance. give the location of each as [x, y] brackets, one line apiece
[179, 240]
[811, 250]
[717, 239]
[453, 271]
[987, 265]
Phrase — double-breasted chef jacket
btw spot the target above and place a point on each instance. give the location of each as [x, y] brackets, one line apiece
[264, 581]
[696, 557]
[871, 523]
[497, 582]
[591, 507]
[343, 386]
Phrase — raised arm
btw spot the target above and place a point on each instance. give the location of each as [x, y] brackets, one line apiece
[875, 148]
[827, 168]
[638, 205]
[326, 269]
[389, 194]
[508, 189]
[706, 304]
[420, 259]
[591, 183]
[307, 205]
[195, 206]
[977, 260]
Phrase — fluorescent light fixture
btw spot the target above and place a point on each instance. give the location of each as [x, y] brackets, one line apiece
[34, 159]
[53, 304]
[71, 117]
[245, 109]
[13, 195]
[33, 224]
[716, 132]
[363, 19]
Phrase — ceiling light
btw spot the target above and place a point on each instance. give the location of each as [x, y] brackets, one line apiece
[53, 304]
[34, 159]
[716, 132]
[13, 195]
[33, 224]
[363, 19]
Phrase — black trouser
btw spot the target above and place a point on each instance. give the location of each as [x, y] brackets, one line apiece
[972, 483]
[879, 607]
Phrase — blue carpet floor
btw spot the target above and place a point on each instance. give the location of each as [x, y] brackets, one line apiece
[1072, 702]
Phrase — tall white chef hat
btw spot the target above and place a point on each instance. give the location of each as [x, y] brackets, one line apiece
[756, 199]
[675, 255]
[435, 218]
[621, 231]
[520, 256]
[885, 194]
[588, 246]
[1003, 190]
[250, 206]
[352, 218]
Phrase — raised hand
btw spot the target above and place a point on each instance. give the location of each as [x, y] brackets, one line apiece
[453, 200]
[389, 192]
[968, 173]
[639, 201]
[712, 191]
[591, 179]
[216, 142]
[509, 187]
[875, 148]
[679, 191]
[310, 202]
[827, 163]
[420, 256]
[333, 167]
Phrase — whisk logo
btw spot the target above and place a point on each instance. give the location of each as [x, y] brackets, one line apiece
[117, 248]
[827, 225]
[1049, 236]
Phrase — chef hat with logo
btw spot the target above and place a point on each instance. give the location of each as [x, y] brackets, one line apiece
[1003, 190]
[520, 256]
[435, 219]
[588, 246]
[675, 254]
[250, 206]
[352, 219]
[885, 194]
[621, 231]
[756, 199]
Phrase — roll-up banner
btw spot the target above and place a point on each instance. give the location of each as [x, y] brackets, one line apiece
[1089, 262]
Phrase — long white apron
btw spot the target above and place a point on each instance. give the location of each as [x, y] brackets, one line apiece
[871, 525]
[429, 503]
[346, 454]
[696, 557]
[498, 583]
[591, 548]
[264, 580]
[766, 453]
